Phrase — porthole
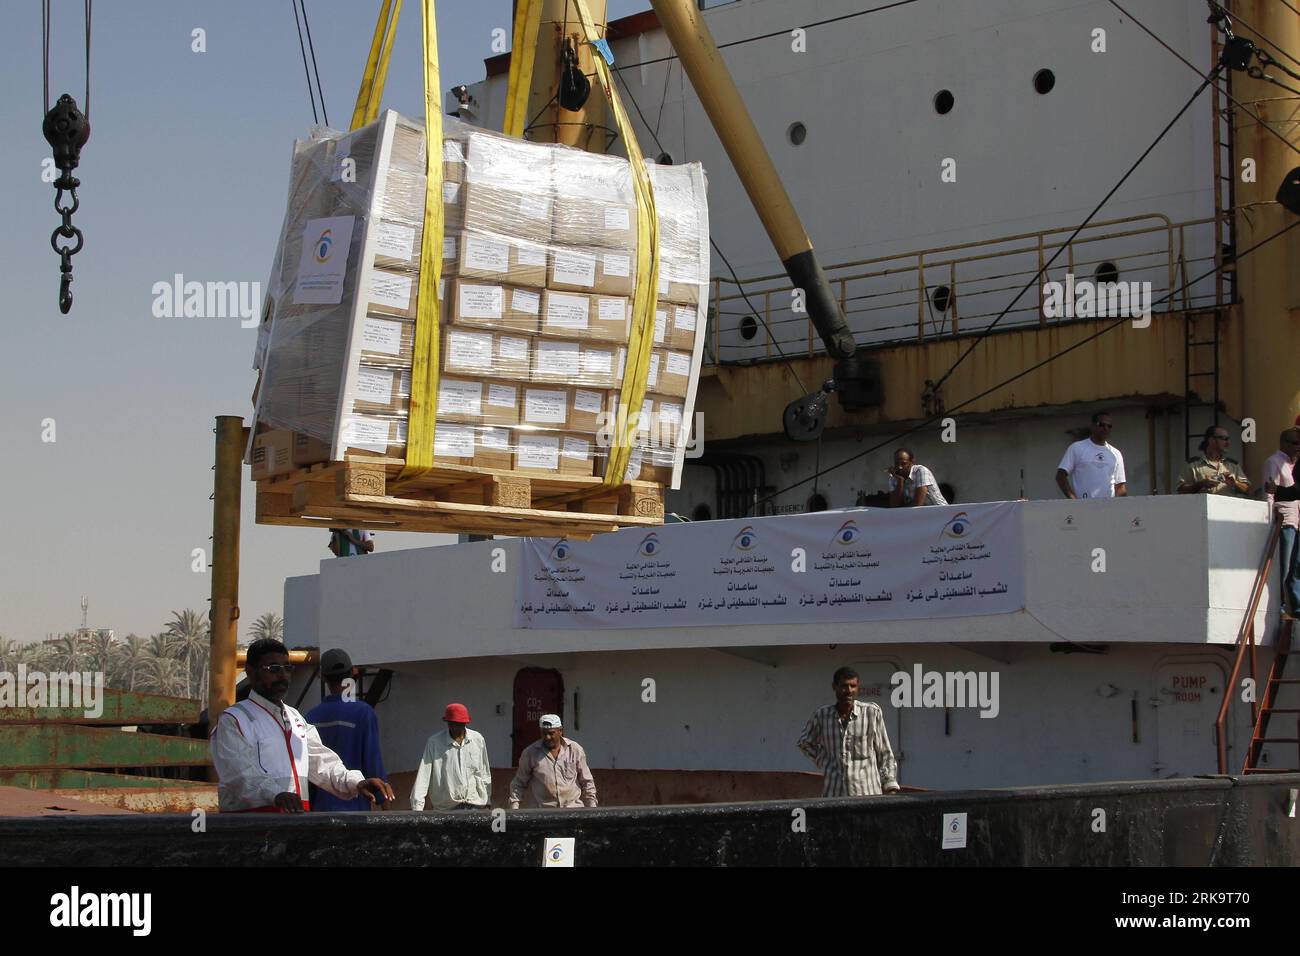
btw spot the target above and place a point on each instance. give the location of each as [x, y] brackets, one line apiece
[817, 502]
[664, 159]
[1044, 81]
[748, 327]
[797, 133]
[1106, 272]
[701, 513]
[943, 102]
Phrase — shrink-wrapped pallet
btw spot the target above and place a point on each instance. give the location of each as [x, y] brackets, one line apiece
[538, 265]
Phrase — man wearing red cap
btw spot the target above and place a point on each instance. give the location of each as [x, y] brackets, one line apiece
[454, 772]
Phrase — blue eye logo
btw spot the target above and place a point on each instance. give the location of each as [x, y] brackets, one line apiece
[649, 545]
[323, 246]
[745, 539]
[848, 533]
[958, 526]
[560, 550]
[557, 853]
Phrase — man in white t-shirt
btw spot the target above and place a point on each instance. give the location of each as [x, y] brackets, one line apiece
[1093, 468]
[912, 484]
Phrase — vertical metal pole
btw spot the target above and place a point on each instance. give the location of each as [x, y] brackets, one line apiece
[227, 482]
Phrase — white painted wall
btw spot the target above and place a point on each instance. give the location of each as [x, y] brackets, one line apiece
[1183, 577]
[718, 711]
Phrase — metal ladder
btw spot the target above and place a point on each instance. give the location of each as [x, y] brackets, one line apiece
[1272, 688]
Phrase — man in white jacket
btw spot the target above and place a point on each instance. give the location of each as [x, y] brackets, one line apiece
[266, 753]
[454, 772]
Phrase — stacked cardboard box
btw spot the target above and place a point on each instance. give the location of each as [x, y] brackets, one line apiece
[538, 270]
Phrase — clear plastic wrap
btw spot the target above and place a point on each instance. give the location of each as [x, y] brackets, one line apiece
[538, 276]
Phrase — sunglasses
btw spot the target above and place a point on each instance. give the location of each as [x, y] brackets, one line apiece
[276, 668]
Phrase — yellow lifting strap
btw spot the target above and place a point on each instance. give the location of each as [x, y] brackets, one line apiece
[640, 340]
[523, 54]
[376, 73]
[424, 371]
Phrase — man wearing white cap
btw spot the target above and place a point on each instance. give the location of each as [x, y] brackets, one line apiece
[553, 771]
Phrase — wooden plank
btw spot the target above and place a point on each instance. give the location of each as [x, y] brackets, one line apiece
[119, 707]
[67, 746]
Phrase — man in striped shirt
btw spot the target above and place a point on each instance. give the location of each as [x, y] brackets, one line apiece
[848, 743]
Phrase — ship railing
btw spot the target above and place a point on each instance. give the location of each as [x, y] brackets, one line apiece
[960, 289]
[1247, 645]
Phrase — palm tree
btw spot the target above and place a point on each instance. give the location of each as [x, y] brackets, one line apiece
[162, 675]
[66, 653]
[102, 646]
[8, 653]
[189, 632]
[268, 625]
[133, 656]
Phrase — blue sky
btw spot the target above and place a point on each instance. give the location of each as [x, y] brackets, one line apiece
[185, 172]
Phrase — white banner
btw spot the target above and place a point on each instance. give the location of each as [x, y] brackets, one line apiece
[865, 564]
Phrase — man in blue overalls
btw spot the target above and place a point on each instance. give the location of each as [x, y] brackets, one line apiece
[347, 726]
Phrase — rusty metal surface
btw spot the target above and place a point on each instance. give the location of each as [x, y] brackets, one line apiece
[87, 780]
[62, 746]
[162, 799]
[119, 707]
[15, 802]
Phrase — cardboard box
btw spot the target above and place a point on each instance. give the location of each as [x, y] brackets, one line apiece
[675, 374]
[683, 322]
[387, 341]
[611, 225]
[543, 407]
[494, 306]
[381, 391]
[576, 315]
[604, 271]
[666, 421]
[397, 245]
[577, 455]
[512, 356]
[408, 153]
[557, 360]
[566, 314]
[588, 410]
[403, 199]
[501, 401]
[493, 449]
[590, 269]
[374, 436]
[467, 352]
[392, 293]
[279, 451]
[460, 400]
[454, 443]
[599, 366]
[615, 271]
[537, 452]
[506, 211]
[495, 258]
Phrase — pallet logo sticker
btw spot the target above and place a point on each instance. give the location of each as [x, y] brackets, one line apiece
[324, 264]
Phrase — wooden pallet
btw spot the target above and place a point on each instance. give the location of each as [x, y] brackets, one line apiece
[366, 493]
